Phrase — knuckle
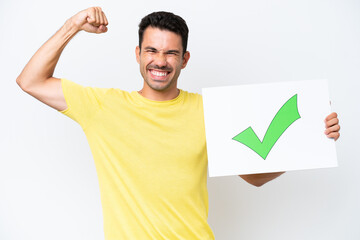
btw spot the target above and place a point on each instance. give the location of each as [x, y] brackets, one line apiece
[334, 122]
[91, 13]
[331, 116]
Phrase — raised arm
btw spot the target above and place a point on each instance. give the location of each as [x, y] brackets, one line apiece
[37, 77]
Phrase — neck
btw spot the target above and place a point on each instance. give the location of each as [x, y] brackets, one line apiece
[155, 95]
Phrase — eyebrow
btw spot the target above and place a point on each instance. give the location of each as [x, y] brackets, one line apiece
[151, 48]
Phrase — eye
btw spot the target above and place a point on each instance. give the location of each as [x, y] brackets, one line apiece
[172, 53]
[150, 50]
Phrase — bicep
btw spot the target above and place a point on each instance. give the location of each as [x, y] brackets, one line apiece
[49, 92]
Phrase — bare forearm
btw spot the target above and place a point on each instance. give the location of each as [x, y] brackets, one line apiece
[260, 178]
[42, 65]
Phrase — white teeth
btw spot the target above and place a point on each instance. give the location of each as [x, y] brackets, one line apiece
[160, 74]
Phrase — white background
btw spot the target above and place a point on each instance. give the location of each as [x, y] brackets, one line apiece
[48, 183]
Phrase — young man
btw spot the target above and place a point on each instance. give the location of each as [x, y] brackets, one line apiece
[149, 146]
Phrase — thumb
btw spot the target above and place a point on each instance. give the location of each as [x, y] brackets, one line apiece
[94, 29]
[101, 29]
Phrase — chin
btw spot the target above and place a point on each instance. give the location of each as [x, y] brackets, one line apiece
[159, 87]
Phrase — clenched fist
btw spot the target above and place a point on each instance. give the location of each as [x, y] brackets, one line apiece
[91, 20]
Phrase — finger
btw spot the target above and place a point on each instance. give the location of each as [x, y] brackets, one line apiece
[334, 135]
[105, 18]
[101, 16]
[331, 116]
[97, 15]
[335, 128]
[91, 16]
[332, 122]
[101, 29]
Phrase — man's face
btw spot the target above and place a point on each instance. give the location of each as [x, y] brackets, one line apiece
[161, 58]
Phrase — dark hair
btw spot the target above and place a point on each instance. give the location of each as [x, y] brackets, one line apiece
[165, 21]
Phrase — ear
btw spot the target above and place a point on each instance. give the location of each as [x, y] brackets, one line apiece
[137, 53]
[185, 59]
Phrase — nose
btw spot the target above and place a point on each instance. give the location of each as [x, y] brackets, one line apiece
[160, 60]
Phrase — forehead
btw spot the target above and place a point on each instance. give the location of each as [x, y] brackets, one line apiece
[161, 39]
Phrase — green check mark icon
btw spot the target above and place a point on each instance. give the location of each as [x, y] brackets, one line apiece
[286, 116]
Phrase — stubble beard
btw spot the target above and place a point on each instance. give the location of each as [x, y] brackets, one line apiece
[157, 87]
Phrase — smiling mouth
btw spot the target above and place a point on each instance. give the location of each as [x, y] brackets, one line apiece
[158, 75]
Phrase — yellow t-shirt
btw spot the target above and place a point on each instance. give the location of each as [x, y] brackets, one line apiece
[150, 158]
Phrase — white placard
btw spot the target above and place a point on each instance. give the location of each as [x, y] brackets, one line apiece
[302, 145]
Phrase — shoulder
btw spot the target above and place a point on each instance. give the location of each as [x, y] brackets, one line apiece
[194, 99]
[192, 95]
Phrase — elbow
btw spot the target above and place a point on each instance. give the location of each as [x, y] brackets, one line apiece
[20, 83]
[258, 184]
[260, 179]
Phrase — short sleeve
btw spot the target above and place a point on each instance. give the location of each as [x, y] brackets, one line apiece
[82, 102]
